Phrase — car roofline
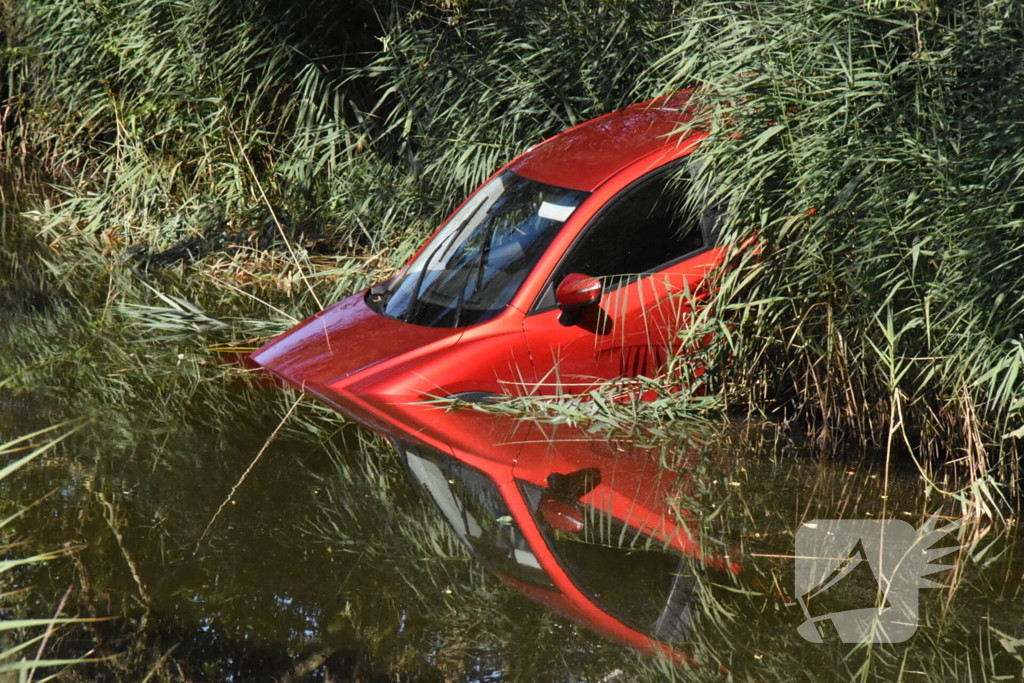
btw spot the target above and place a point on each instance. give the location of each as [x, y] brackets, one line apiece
[679, 135]
[530, 291]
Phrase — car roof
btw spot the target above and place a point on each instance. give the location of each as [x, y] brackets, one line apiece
[586, 155]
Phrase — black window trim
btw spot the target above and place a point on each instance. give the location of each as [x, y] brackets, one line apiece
[538, 305]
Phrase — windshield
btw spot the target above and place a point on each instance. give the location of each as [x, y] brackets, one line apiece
[475, 511]
[474, 265]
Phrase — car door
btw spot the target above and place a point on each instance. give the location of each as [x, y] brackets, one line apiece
[652, 247]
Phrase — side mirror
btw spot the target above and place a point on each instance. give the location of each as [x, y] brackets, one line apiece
[578, 291]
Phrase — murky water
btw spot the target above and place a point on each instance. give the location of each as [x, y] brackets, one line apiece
[319, 560]
[514, 552]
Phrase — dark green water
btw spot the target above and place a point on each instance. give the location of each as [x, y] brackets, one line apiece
[328, 564]
[319, 558]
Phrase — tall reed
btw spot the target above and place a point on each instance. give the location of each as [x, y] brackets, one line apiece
[872, 147]
[159, 121]
[873, 151]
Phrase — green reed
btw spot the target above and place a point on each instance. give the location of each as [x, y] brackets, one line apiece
[870, 155]
[869, 151]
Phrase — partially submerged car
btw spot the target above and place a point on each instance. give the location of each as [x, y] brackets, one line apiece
[573, 264]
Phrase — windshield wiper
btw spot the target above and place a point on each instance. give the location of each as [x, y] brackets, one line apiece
[481, 264]
[414, 299]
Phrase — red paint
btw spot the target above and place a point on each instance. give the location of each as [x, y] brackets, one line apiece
[587, 155]
[377, 370]
[346, 339]
[578, 291]
[634, 489]
[349, 350]
[628, 335]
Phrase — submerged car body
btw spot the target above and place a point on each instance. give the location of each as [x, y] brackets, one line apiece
[574, 263]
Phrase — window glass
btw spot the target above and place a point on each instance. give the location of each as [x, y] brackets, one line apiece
[652, 225]
[471, 269]
[473, 507]
[625, 572]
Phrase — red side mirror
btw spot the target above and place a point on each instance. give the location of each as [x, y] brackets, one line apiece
[578, 291]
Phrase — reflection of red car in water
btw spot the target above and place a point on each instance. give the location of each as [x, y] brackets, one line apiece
[569, 266]
[589, 528]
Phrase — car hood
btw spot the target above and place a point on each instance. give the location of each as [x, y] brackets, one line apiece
[346, 341]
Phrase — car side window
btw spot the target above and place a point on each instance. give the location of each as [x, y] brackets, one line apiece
[650, 225]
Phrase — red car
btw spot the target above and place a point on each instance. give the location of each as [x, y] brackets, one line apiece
[574, 263]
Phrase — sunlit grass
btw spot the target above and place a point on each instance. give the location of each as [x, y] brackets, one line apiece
[882, 307]
[870, 156]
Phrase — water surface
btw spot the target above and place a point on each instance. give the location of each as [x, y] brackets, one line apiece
[330, 563]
